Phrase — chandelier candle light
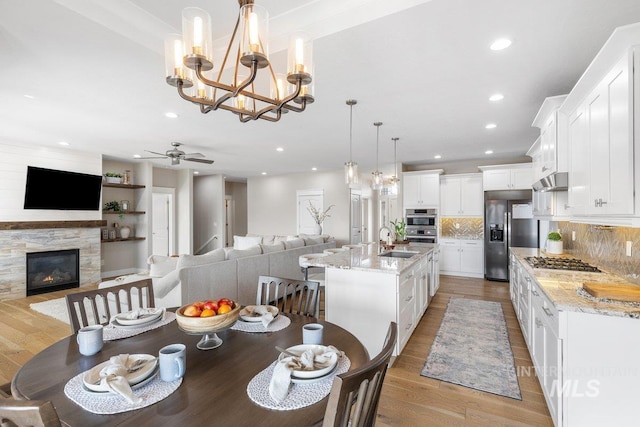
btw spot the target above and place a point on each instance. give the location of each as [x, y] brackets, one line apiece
[377, 177]
[189, 56]
[350, 167]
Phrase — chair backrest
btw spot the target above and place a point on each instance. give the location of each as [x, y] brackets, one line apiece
[19, 413]
[104, 303]
[289, 295]
[354, 396]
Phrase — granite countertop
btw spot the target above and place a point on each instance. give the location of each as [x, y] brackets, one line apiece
[564, 288]
[366, 258]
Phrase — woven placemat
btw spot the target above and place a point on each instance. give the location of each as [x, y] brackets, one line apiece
[278, 324]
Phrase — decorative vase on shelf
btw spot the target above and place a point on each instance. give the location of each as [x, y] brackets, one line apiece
[125, 232]
[318, 229]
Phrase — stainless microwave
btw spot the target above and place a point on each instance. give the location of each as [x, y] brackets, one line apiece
[421, 217]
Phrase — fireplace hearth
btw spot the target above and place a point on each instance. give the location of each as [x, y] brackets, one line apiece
[50, 271]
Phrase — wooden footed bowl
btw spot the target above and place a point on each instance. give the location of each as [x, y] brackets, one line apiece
[215, 323]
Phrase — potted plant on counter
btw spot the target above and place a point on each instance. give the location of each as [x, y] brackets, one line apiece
[554, 243]
[400, 228]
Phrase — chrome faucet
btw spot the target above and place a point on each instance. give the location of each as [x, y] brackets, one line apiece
[390, 233]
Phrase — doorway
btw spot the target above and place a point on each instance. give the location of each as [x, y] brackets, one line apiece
[162, 221]
[229, 212]
[356, 217]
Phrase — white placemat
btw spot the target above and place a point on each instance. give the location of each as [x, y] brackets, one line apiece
[110, 403]
[111, 332]
[279, 323]
[300, 395]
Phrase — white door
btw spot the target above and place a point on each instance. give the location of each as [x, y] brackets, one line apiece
[160, 223]
[356, 218]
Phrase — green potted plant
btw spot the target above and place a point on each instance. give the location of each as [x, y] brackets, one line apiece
[113, 177]
[115, 207]
[400, 228]
[554, 243]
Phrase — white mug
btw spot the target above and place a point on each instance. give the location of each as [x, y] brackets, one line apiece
[90, 340]
[173, 360]
[312, 333]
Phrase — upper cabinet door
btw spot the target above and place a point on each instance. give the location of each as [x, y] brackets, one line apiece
[450, 190]
[411, 191]
[471, 195]
[497, 179]
[421, 190]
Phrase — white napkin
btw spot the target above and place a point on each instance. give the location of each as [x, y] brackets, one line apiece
[265, 316]
[113, 378]
[136, 314]
[281, 379]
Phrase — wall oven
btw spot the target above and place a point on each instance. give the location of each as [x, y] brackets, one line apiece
[422, 225]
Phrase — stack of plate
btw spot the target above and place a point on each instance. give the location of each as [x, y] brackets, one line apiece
[250, 314]
[137, 319]
[320, 371]
[136, 379]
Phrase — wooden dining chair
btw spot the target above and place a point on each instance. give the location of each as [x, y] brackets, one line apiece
[5, 390]
[103, 303]
[21, 413]
[354, 396]
[289, 295]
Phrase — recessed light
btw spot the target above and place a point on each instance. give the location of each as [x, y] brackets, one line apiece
[280, 149]
[171, 115]
[136, 156]
[196, 173]
[500, 44]
[488, 152]
[314, 169]
[264, 173]
[496, 97]
[490, 126]
[65, 143]
[437, 156]
[29, 96]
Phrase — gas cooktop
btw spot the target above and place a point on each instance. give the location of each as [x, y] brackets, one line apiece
[569, 264]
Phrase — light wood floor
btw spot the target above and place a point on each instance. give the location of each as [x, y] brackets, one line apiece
[408, 399]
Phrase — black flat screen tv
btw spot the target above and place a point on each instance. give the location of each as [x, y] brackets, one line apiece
[61, 190]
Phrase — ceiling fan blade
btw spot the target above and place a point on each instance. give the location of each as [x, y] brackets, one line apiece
[153, 152]
[147, 158]
[175, 161]
[193, 155]
[199, 160]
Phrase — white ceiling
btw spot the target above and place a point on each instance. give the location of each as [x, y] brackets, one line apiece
[424, 68]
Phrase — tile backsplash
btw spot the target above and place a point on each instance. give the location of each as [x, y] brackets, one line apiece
[604, 247]
[462, 228]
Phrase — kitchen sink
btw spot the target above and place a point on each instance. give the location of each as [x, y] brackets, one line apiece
[398, 254]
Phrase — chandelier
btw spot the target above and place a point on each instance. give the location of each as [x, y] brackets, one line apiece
[235, 86]
[351, 167]
[394, 180]
[377, 176]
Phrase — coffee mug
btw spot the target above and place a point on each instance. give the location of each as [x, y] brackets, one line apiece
[312, 333]
[173, 360]
[90, 340]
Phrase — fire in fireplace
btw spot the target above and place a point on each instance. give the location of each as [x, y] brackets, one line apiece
[52, 271]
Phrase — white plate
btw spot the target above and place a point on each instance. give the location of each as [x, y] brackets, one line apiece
[92, 376]
[150, 315]
[247, 313]
[317, 349]
[115, 323]
[141, 384]
[313, 380]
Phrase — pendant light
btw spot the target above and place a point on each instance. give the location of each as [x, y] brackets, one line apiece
[394, 179]
[350, 167]
[376, 177]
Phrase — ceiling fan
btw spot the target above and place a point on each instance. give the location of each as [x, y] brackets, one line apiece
[175, 154]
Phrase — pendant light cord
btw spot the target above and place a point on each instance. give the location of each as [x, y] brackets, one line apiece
[350, 133]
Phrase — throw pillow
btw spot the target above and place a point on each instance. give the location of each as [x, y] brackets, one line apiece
[241, 253]
[161, 267]
[279, 239]
[276, 247]
[246, 242]
[295, 243]
[215, 255]
[308, 241]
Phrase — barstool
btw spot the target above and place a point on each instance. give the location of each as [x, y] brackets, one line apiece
[303, 261]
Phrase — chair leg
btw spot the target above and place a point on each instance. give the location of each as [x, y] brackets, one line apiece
[5, 390]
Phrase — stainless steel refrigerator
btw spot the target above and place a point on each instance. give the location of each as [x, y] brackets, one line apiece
[508, 222]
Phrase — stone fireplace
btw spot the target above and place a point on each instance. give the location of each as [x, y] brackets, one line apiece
[50, 271]
[17, 239]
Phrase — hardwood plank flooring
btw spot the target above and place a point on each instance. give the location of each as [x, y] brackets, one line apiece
[408, 399]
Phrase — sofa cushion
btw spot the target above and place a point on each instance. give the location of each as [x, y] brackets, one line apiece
[215, 255]
[241, 253]
[294, 243]
[280, 239]
[160, 266]
[308, 241]
[246, 242]
[163, 285]
[267, 249]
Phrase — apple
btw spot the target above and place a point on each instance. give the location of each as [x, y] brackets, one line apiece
[198, 304]
[210, 305]
[226, 301]
[192, 310]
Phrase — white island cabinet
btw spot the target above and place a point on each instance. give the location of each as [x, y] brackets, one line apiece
[364, 292]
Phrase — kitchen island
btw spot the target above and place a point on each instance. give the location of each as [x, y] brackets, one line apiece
[365, 290]
[585, 350]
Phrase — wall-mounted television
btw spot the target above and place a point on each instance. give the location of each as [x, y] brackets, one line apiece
[61, 190]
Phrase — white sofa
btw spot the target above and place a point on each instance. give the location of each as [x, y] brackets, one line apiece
[228, 272]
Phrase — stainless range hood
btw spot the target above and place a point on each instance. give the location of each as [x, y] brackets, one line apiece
[557, 181]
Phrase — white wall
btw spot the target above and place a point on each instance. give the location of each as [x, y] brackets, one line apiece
[208, 209]
[271, 203]
[184, 204]
[238, 192]
[13, 177]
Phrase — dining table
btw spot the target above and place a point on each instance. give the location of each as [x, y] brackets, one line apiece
[214, 387]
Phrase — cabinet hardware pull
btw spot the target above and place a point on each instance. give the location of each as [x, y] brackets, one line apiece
[544, 168]
[538, 323]
[534, 292]
[409, 298]
[408, 327]
[547, 311]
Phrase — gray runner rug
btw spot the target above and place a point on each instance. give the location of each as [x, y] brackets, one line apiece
[472, 349]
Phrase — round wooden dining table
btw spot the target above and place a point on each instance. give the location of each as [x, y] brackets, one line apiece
[214, 388]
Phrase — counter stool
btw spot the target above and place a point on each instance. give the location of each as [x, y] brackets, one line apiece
[317, 276]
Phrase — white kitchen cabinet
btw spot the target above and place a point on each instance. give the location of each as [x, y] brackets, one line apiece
[435, 272]
[578, 161]
[461, 195]
[507, 177]
[461, 257]
[552, 153]
[421, 189]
